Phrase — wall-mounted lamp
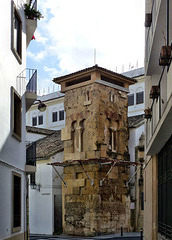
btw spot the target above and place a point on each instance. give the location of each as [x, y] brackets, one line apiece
[35, 186]
[41, 107]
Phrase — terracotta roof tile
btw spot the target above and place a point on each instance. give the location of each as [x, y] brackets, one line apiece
[48, 146]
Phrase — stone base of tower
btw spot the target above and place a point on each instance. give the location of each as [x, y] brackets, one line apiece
[91, 209]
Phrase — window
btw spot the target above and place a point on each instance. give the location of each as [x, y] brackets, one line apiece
[112, 97]
[131, 100]
[139, 98]
[17, 115]
[40, 120]
[17, 35]
[54, 117]
[87, 96]
[16, 202]
[112, 140]
[61, 115]
[34, 121]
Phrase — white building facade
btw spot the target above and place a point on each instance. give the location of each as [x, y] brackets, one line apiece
[136, 122]
[158, 92]
[16, 96]
[54, 116]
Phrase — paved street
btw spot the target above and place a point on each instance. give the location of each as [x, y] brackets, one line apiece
[126, 236]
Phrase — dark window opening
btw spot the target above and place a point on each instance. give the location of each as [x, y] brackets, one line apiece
[87, 96]
[40, 120]
[31, 154]
[139, 98]
[16, 201]
[54, 117]
[17, 115]
[131, 100]
[34, 121]
[165, 190]
[61, 115]
[105, 78]
[17, 35]
[114, 141]
[79, 80]
[142, 200]
[32, 179]
[110, 139]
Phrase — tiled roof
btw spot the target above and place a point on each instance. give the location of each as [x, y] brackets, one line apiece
[134, 73]
[95, 67]
[48, 146]
[39, 130]
[50, 96]
[135, 121]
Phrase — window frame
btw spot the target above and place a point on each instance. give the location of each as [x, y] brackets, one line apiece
[17, 52]
[53, 114]
[17, 228]
[131, 95]
[16, 130]
[137, 94]
[33, 125]
[40, 117]
[61, 111]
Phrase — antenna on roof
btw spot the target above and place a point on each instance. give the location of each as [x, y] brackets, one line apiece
[94, 56]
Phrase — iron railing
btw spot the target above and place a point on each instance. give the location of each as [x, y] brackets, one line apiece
[165, 190]
[34, 4]
[27, 81]
[31, 154]
[151, 29]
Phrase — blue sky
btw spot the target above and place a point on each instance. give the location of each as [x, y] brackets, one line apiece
[71, 29]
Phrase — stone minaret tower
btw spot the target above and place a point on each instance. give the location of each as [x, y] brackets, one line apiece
[95, 200]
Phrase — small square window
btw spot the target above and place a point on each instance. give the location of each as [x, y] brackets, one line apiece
[34, 121]
[40, 120]
[17, 35]
[139, 98]
[61, 115]
[17, 114]
[54, 117]
[16, 202]
[131, 100]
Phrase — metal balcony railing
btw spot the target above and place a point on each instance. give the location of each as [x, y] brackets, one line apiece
[31, 154]
[158, 104]
[27, 81]
[34, 4]
[151, 29]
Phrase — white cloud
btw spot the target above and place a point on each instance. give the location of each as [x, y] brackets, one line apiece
[40, 38]
[71, 30]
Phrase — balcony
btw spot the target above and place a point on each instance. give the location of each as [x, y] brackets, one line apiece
[31, 158]
[31, 25]
[26, 83]
[159, 127]
[155, 37]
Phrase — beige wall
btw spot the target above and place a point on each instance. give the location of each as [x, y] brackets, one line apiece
[20, 236]
[150, 199]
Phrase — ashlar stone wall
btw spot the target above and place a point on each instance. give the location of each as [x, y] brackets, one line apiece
[95, 201]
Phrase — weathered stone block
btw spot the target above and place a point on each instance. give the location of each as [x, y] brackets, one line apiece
[76, 182]
[65, 134]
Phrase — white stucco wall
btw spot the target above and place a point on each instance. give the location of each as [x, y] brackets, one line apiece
[137, 109]
[32, 137]
[134, 135]
[41, 203]
[12, 151]
[53, 105]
